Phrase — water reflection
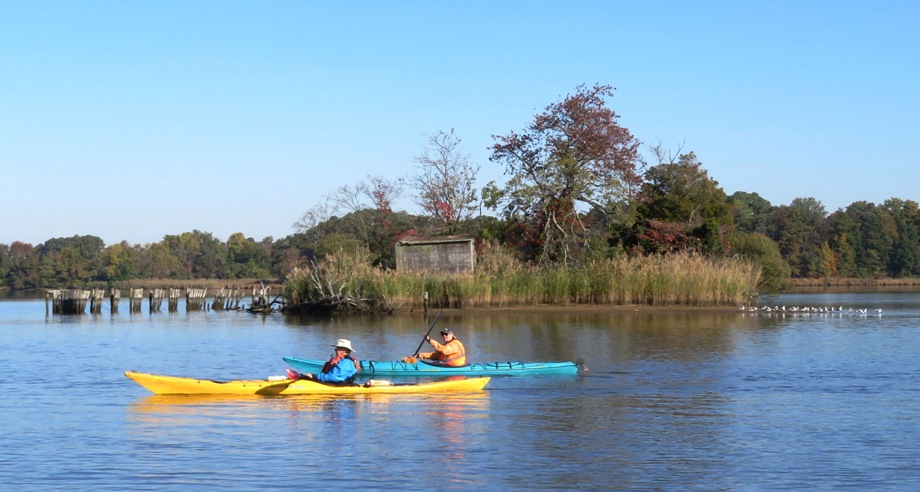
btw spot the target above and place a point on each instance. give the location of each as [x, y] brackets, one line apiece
[444, 412]
[445, 428]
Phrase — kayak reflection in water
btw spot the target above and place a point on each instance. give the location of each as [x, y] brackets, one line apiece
[342, 367]
[450, 353]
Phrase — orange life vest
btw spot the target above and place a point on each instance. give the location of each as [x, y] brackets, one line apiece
[456, 359]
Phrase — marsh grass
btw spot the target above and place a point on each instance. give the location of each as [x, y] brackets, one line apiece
[500, 281]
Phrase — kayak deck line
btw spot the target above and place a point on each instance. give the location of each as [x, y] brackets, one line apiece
[394, 368]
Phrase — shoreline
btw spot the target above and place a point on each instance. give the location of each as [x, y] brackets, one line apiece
[855, 282]
[580, 309]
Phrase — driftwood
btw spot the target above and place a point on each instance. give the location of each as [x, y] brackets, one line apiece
[260, 303]
[339, 304]
[264, 306]
[330, 296]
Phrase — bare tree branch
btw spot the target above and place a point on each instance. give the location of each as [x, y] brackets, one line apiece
[446, 181]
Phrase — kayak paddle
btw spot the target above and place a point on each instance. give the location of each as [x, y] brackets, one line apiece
[419, 349]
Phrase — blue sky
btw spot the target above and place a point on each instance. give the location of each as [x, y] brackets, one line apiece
[134, 120]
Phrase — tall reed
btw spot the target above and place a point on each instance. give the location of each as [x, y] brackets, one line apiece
[672, 280]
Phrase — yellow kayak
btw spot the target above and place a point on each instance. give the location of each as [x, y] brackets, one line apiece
[172, 385]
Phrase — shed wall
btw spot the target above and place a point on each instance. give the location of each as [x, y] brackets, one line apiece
[444, 257]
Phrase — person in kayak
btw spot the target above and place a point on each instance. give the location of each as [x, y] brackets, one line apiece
[450, 353]
[342, 367]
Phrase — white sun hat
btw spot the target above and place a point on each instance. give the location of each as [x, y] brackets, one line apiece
[343, 343]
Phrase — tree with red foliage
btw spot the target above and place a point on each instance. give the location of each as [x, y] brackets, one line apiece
[573, 153]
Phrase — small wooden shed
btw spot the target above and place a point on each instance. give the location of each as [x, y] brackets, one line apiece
[449, 254]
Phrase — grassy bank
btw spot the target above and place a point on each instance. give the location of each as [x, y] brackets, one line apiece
[674, 280]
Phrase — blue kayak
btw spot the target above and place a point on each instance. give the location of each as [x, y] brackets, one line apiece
[421, 368]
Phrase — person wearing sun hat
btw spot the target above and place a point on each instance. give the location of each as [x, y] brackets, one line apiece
[450, 353]
[342, 367]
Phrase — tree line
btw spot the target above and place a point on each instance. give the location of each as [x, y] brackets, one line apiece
[580, 188]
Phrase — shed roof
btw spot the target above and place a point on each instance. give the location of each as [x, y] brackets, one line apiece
[436, 240]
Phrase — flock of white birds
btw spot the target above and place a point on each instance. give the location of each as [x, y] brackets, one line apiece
[809, 310]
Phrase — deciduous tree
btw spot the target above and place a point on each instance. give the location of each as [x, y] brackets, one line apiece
[681, 191]
[4, 264]
[445, 181]
[798, 230]
[905, 255]
[120, 262]
[750, 211]
[367, 206]
[762, 250]
[23, 266]
[247, 258]
[573, 154]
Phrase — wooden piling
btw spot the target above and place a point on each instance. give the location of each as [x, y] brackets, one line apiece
[156, 299]
[227, 299]
[195, 299]
[49, 294]
[173, 305]
[135, 297]
[70, 301]
[114, 297]
[219, 299]
[96, 297]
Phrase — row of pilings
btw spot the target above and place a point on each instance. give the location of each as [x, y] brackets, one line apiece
[76, 301]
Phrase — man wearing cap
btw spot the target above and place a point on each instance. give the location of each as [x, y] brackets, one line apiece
[450, 353]
[340, 368]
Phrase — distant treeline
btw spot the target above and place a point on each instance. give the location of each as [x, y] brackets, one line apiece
[863, 240]
[81, 261]
[799, 240]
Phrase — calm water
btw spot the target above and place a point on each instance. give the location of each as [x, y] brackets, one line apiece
[688, 401]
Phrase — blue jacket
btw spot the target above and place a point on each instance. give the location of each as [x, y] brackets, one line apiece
[342, 372]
